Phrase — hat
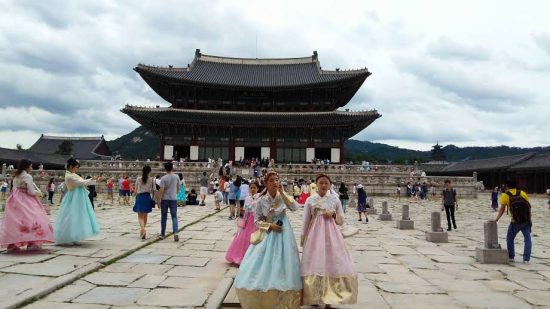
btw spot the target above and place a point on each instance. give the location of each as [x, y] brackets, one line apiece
[359, 186]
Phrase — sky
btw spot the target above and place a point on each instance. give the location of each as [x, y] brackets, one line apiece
[468, 73]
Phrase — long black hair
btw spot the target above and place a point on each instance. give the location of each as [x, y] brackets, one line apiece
[145, 174]
[22, 166]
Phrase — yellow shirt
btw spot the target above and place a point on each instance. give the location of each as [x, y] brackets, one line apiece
[505, 200]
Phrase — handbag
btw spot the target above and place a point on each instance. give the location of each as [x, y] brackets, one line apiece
[257, 237]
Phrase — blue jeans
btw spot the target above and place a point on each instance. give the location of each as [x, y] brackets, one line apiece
[513, 230]
[344, 205]
[166, 205]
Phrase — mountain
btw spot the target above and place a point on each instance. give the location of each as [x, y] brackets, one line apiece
[138, 144]
[142, 144]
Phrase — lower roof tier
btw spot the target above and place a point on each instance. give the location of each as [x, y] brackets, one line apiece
[351, 122]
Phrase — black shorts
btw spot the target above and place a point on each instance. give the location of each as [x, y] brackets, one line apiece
[232, 202]
[125, 192]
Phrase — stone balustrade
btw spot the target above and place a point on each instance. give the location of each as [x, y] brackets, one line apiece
[380, 180]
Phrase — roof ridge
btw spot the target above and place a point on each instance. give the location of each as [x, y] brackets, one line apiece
[255, 61]
[76, 138]
[162, 109]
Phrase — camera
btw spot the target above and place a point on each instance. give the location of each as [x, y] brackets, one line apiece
[279, 223]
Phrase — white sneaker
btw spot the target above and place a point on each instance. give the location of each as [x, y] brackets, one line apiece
[526, 262]
[511, 261]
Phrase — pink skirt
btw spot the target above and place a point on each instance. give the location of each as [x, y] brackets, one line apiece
[241, 241]
[25, 221]
[327, 269]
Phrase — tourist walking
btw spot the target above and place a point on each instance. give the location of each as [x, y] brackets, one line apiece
[4, 188]
[362, 203]
[343, 194]
[126, 190]
[245, 227]
[182, 194]
[92, 193]
[203, 188]
[494, 199]
[51, 190]
[328, 274]
[76, 219]
[269, 275]
[398, 192]
[234, 190]
[516, 202]
[110, 186]
[145, 192]
[169, 187]
[305, 193]
[218, 198]
[25, 221]
[120, 191]
[449, 203]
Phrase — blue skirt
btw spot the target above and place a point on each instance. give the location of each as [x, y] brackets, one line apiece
[181, 194]
[143, 203]
[76, 218]
[273, 264]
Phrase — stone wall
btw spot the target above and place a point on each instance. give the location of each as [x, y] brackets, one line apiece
[379, 180]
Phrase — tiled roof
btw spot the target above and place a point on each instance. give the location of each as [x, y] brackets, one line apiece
[84, 148]
[499, 163]
[12, 156]
[243, 72]
[354, 121]
[538, 161]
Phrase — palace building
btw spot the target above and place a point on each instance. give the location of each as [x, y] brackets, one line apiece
[233, 108]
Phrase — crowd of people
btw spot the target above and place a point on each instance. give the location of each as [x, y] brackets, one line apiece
[271, 273]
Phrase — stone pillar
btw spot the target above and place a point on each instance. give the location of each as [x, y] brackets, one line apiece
[405, 223]
[437, 234]
[491, 253]
[371, 210]
[385, 215]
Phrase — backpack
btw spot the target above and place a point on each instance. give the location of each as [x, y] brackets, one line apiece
[519, 207]
[220, 171]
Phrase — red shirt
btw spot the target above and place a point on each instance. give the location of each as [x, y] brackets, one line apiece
[126, 185]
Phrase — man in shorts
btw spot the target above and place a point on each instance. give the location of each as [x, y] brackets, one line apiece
[203, 188]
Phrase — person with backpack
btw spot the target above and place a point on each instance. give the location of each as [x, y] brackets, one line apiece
[519, 209]
[449, 203]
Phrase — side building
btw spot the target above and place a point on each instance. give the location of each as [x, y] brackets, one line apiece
[233, 108]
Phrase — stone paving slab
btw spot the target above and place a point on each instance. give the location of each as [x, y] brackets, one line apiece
[41, 271]
[396, 269]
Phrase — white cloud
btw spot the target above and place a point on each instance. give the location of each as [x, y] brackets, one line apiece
[466, 73]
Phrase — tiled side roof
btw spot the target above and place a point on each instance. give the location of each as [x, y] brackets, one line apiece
[83, 147]
[535, 162]
[500, 163]
[241, 72]
[12, 155]
[244, 118]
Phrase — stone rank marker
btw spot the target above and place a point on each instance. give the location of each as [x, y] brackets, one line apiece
[385, 215]
[437, 234]
[371, 210]
[405, 223]
[491, 253]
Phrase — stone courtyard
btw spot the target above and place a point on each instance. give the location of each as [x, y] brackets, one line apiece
[397, 268]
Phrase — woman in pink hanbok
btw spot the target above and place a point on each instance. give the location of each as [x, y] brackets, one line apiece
[328, 274]
[25, 220]
[241, 241]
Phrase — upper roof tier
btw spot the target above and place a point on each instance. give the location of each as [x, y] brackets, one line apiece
[252, 73]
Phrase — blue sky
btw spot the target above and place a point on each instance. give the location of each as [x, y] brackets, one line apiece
[462, 72]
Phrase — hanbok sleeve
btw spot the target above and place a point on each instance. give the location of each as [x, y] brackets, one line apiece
[307, 220]
[259, 217]
[74, 180]
[31, 188]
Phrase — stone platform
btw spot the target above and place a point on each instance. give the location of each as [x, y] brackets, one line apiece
[396, 268]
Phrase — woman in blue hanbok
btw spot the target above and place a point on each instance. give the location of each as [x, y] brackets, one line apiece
[76, 219]
[269, 275]
[182, 196]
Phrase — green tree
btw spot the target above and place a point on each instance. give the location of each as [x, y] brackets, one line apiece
[65, 148]
[19, 147]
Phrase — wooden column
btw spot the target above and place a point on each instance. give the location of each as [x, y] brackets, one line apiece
[231, 145]
[162, 142]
